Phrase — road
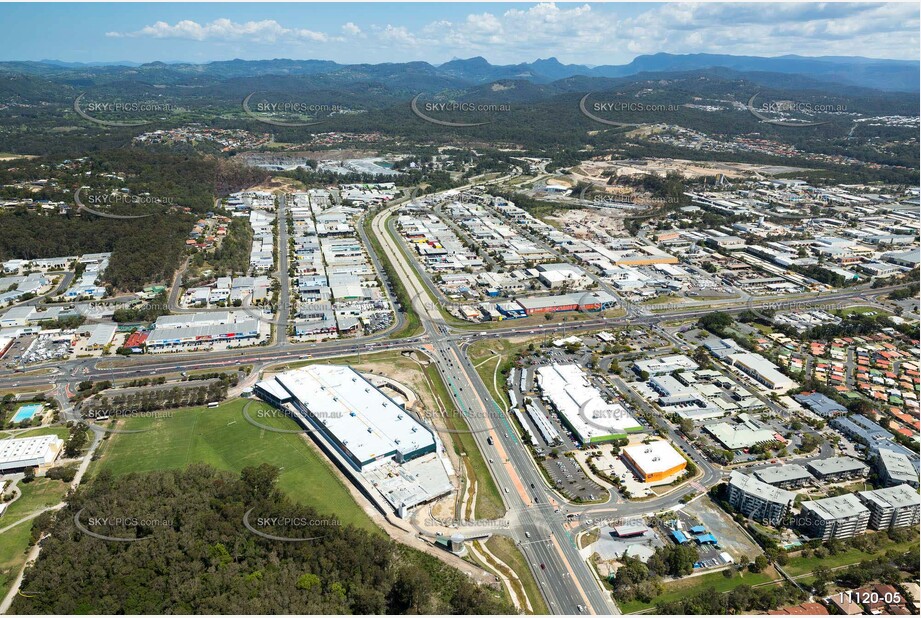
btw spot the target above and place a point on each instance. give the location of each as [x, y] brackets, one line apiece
[565, 579]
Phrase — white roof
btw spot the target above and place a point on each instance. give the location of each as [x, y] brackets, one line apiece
[363, 419]
[657, 456]
[735, 437]
[21, 452]
[568, 389]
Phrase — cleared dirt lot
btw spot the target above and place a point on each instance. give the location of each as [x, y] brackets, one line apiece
[731, 537]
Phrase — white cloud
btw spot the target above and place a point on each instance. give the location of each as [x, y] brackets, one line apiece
[599, 34]
[265, 31]
[351, 29]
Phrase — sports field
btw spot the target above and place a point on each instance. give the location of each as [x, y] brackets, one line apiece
[223, 438]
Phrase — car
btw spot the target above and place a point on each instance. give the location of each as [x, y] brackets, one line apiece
[543, 567]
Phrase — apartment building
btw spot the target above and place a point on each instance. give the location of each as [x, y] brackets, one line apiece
[841, 517]
[758, 500]
[892, 507]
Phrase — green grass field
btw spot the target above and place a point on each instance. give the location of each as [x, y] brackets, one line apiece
[800, 566]
[692, 585]
[13, 546]
[36, 495]
[223, 438]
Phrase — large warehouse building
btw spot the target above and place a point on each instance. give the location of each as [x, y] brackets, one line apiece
[654, 461]
[581, 407]
[19, 453]
[365, 424]
[762, 371]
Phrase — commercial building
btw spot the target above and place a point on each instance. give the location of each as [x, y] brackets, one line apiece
[761, 370]
[19, 453]
[581, 406]
[576, 301]
[841, 517]
[758, 500]
[746, 435]
[787, 476]
[363, 423]
[654, 461]
[892, 507]
[860, 428]
[820, 404]
[664, 365]
[836, 469]
[202, 328]
[100, 335]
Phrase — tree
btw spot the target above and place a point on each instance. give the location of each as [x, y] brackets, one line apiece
[822, 575]
[743, 562]
[759, 564]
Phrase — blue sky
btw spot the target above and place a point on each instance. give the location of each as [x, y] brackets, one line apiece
[584, 33]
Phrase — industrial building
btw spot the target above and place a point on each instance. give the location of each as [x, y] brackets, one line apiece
[546, 429]
[654, 461]
[758, 500]
[365, 424]
[892, 507]
[788, 476]
[836, 469]
[840, 517]
[761, 370]
[19, 453]
[202, 328]
[581, 407]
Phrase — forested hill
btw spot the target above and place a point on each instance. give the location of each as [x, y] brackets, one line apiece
[198, 557]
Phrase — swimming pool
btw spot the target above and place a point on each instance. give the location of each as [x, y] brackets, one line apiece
[27, 412]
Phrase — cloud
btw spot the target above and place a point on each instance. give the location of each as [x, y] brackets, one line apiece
[351, 29]
[599, 34]
[265, 31]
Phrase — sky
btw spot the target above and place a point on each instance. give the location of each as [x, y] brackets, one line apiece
[503, 33]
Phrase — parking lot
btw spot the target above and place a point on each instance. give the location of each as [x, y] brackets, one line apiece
[569, 477]
[47, 347]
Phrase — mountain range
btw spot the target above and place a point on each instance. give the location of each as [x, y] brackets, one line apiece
[877, 74]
